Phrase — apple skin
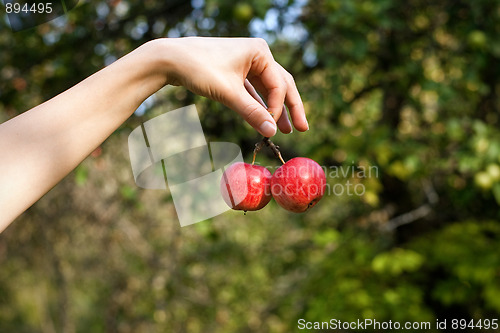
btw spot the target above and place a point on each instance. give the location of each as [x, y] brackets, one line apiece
[246, 187]
[298, 184]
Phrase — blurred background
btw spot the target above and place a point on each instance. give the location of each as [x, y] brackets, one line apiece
[407, 89]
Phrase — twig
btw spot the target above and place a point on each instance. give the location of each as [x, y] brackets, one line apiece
[417, 213]
[267, 141]
[274, 148]
[258, 146]
[407, 218]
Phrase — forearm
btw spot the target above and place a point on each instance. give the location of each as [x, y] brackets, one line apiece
[41, 146]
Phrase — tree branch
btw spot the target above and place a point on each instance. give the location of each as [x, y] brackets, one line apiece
[417, 213]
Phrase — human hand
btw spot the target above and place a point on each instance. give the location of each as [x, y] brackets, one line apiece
[231, 71]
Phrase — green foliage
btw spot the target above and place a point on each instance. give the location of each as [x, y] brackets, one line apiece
[397, 261]
[464, 253]
[408, 88]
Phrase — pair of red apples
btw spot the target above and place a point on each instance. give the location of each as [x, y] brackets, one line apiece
[296, 186]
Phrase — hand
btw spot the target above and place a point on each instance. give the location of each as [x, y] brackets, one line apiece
[231, 71]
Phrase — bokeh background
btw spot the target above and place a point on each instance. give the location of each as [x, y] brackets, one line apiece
[408, 88]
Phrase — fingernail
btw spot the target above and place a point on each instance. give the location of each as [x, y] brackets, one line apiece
[307, 126]
[267, 129]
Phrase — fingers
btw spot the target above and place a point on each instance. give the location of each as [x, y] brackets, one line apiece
[275, 89]
[278, 87]
[253, 109]
[251, 90]
[283, 121]
[253, 62]
[294, 102]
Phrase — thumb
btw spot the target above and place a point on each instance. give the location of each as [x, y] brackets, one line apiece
[254, 113]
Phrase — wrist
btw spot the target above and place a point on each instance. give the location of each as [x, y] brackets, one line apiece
[162, 57]
[155, 61]
[167, 50]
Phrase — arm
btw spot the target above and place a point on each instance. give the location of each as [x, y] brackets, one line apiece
[41, 146]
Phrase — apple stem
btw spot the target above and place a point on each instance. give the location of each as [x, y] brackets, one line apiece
[258, 146]
[267, 141]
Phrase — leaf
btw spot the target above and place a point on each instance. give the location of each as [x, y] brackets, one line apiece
[397, 261]
[324, 238]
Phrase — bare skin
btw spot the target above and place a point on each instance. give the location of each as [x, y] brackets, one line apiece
[42, 145]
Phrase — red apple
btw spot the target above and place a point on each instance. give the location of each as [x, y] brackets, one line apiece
[298, 184]
[246, 187]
